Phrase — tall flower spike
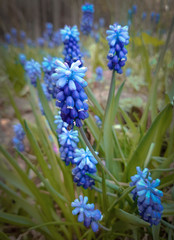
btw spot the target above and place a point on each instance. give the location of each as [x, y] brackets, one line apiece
[148, 196]
[117, 38]
[33, 71]
[87, 18]
[70, 38]
[71, 97]
[86, 213]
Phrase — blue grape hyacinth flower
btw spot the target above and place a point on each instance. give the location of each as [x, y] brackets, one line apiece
[33, 70]
[98, 121]
[60, 123]
[22, 35]
[86, 213]
[19, 131]
[70, 38]
[118, 37]
[41, 42]
[22, 59]
[19, 137]
[84, 157]
[8, 38]
[49, 65]
[68, 141]
[99, 73]
[144, 15]
[134, 9]
[87, 18]
[86, 163]
[148, 196]
[71, 98]
[19, 145]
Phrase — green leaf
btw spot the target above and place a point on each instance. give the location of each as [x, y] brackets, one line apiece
[99, 110]
[130, 218]
[154, 134]
[156, 231]
[47, 110]
[108, 132]
[168, 209]
[107, 182]
[15, 220]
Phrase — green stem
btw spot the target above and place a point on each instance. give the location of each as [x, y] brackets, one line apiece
[100, 191]
[111, 93]
[96, 156]
[110, 96]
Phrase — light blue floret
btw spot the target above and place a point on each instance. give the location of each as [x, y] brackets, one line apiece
[65, 74]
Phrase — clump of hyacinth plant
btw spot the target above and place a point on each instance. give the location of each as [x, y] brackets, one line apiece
[70, 38]
[87, 18]
[71, 97]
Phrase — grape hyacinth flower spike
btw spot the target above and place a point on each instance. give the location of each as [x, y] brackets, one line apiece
[22, 59]
[87, 18]
[86, 163]
[68, 141]
[70, 38]
[48, 67]
[99, 73]
[118, 38]
[148, 196]
[33, 71]
[19, 137]
[86, 213]
[71, 98]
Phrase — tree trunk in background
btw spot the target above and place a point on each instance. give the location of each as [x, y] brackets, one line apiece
[43, 4]
[36, 20]
[56, 13]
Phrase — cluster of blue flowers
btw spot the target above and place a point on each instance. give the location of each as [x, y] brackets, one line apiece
[71, 97]
[86, 163]
[70, 38]
[69, 153]
[132, 11]
[33, 70]
[86, 213]
[48, 66]
[87, 18]
[143, 16]
[155, 17]
[19, 137]
[99, 73]
[50, 37]
[117, 38]
[12, 38]
[68, 141]
[148, 196]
